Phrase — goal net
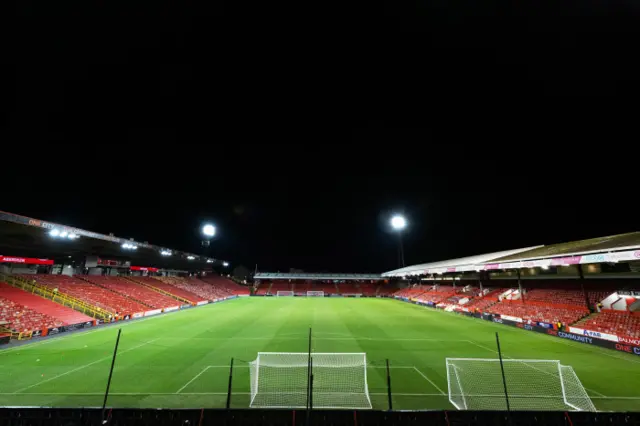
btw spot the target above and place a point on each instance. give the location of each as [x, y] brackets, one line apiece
[532, 384]
[284, 293]
[315, 293]
[281, 379]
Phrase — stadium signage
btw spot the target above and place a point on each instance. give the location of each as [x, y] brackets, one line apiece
[629, 340]
[596, 334]
[510, 318]
[629, 293]
[25, 260]
[152, 312]
[144, 268]
[570, 336]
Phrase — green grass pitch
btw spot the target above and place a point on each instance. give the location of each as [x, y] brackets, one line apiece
[180, 360]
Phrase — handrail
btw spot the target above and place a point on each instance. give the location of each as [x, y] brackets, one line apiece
[57, 297]
[159, 290]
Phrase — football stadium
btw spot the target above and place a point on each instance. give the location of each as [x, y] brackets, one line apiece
[144, 334]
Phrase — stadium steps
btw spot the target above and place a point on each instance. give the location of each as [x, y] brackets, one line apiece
[115, 292]
[42, 305]
[585, 319]
[60, 298]
[159, 290]
[337, 288]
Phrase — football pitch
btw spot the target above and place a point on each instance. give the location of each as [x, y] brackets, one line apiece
[181, 360]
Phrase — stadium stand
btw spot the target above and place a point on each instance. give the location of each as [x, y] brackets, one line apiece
[367, 289]
[302, 288]
[263, 289]
[42, 305]
[226, 286]
[277, 286]
[93, 294]
[22, 318]
[328, 288]
[195, 286]
[130, 289]
[168, 288]
[620, 323]
[566, 314]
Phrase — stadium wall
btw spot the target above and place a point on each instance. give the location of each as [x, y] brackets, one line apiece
[253, 416]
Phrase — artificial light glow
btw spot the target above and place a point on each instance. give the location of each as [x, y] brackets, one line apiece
[54, 232]
[166, 253]
[63, 234]
[225, 264]
[72, 236]
[398, 222]
[545, 267]
[190, 257]
[209, 230]
[209, 261]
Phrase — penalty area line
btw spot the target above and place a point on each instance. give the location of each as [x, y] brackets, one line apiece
[82, 367]
[194, 378]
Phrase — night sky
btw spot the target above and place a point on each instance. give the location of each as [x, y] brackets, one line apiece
[299, 127]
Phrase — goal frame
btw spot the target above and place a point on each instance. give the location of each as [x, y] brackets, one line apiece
[254, 385]
[289, 293]
[315, 293]
[525, 362]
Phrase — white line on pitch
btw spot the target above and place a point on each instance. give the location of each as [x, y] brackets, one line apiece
[194, 378]
[531, 366]
[429, 380]
[81, 367]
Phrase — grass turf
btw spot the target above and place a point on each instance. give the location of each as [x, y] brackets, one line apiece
[180, 360]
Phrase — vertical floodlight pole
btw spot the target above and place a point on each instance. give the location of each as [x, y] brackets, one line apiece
[504, 380]
[309, 380]
[389, 386]
[229, 387]
[113, 363]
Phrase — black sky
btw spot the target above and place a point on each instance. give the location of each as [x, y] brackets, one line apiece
[299, 127]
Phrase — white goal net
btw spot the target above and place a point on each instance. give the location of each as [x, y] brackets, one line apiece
[315, 293]
[284, 293]
[281, 380]
[532, 384]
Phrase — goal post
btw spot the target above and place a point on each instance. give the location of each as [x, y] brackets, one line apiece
[315, 293]
[280, 380]
[281, 293]
[532, 384]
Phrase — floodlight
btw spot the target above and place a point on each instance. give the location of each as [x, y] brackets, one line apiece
[209, 260]
[63, 234]
[190, 257]
[225, 264]
[398, 222]
[54, 232]
[72, 236]
[209, 230]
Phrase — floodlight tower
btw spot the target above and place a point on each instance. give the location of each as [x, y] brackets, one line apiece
[208, 231]
[399, 223]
